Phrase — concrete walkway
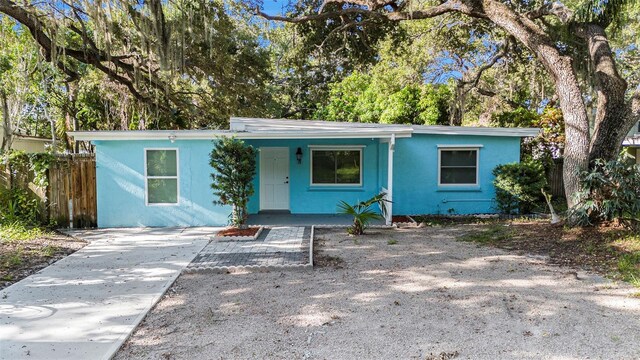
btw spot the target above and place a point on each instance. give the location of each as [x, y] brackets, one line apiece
[86, 305]
[276, 247]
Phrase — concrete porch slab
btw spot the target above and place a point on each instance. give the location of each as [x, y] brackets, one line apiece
[286, 219]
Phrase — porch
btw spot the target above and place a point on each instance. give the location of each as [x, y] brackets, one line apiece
[287, 219]
[310, 177]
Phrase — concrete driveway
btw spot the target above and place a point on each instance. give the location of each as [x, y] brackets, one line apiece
[85, 305]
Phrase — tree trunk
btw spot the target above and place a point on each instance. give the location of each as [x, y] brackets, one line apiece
[7, 134]
[613, 119]
[576, 153]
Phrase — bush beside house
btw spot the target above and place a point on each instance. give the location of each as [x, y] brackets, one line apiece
[234, 164]
[519, 187]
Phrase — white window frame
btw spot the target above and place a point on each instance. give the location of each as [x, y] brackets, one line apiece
[442, 148]
[147, 177]
[313, 148]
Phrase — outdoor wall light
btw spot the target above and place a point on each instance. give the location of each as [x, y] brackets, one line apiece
[172, 138]
[299, 155]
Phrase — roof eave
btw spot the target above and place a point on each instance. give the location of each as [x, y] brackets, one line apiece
[210, 135]
[478, 131]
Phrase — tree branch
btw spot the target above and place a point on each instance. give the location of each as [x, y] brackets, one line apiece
[94, 56]
[504, 50]
[555, 8]
[375, 9]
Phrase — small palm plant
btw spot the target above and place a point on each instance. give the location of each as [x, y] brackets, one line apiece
[362, 212]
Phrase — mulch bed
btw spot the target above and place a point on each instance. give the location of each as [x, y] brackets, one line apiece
[400, 219]
[19, 259]
[233, 232]
[590, 248]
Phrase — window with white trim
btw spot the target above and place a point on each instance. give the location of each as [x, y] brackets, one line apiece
[336, 167]
[458, 166]
[161, 176]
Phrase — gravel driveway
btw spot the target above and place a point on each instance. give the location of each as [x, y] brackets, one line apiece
[425, 297]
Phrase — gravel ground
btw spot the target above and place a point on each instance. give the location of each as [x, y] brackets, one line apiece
[425, 297]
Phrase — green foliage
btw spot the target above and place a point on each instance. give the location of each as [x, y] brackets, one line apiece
[610, 191]
[234, 166]
[365, 98]
[518, 187]
[18, 206]
[520, 117]
[601, 12]
[18, 231]
[33, 165]
[549, 144]
[363, 213]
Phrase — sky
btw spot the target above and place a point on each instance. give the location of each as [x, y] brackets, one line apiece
[273, 7]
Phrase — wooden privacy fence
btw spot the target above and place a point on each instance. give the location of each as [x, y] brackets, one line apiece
[554, 177]
[72, 191]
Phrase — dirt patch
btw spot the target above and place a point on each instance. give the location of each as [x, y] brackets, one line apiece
[21, 258]
[323, 259]
[233, 232]
[428, 296]
[593, 248]
[443, 220]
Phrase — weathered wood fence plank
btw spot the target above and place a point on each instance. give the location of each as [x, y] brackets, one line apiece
[72, 191]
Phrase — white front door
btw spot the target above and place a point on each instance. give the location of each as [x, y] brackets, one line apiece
[274, 178]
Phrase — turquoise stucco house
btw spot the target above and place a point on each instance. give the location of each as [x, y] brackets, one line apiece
[162, 177]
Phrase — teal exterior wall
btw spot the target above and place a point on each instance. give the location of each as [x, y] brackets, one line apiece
[121, 187]
[307, 199]
[415, 177]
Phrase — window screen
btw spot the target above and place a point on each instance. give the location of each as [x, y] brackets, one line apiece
[458, 167]
[162, 176]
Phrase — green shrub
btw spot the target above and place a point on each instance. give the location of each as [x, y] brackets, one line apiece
[235, 167]
[18, 205]
[518, 186]
[610, 191]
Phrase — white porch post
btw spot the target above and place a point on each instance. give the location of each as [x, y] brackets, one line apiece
[392, 145]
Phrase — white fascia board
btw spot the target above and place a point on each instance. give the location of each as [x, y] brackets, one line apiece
[32, 138]
[146, 134]
[212, 134]
[459, 146]
[480, 131]
[631, 141]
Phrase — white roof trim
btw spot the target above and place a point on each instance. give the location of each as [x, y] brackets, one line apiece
[212, 134]
[32, 138]
[250, 128]
[459, 146]
[631, 141]
[468, 130]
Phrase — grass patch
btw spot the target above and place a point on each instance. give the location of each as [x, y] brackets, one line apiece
[488, 236]
[19, 232]
[11, 260]
[392, 242]
[629, 268]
